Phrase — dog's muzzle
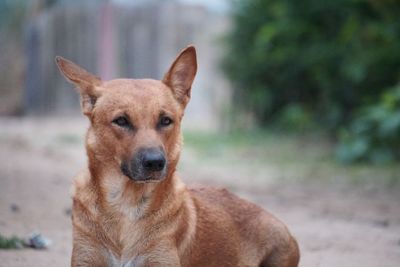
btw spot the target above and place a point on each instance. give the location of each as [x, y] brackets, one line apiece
[147, 165]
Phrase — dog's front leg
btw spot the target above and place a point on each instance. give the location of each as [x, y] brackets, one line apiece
[162, 263]
[85, 255]
[163, 254]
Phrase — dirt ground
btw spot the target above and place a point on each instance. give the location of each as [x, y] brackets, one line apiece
[335, 224]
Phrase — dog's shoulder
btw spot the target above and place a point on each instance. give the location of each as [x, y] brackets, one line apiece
[81, 182]
[83, 192]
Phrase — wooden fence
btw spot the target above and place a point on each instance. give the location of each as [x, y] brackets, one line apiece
[123, 41]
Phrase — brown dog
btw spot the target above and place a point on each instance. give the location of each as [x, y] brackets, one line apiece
[131, 209]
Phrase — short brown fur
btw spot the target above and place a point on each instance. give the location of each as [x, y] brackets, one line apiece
[119, 221]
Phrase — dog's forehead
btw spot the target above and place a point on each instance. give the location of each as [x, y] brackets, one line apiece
[145, 92]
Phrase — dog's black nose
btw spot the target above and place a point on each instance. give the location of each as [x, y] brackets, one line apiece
[153, 160]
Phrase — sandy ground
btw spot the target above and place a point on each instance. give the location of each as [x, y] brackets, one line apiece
[336, 225]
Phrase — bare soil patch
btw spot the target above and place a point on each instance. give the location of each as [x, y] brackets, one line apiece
[335, 224]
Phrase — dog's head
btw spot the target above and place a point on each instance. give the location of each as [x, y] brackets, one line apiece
[135, 124]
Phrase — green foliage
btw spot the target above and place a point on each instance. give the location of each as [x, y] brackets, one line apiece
[294, 117]
[323, 63]
[374, 135]
[10, 243]
[327, 57]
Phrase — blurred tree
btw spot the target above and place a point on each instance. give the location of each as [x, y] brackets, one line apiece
[374, 133]
[12, 14]
[320, 59]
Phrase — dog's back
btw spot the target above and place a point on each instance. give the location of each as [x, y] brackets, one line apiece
[231, 231]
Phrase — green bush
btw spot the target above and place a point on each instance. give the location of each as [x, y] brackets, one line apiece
[328, 58]
[329, 64]
[294, 117]
[374, 135]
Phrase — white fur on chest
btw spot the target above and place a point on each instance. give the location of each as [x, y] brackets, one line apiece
[125, 205]
[134, 262]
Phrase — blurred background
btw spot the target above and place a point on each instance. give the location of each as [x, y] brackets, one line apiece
[296, 106]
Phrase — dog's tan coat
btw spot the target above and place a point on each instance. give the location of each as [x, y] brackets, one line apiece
[119, 222]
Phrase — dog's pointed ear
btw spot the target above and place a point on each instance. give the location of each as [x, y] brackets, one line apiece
[86, 82]
[181, 74]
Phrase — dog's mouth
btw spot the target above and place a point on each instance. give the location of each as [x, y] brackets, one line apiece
[147, 180]
[145, 167]
[144, 178]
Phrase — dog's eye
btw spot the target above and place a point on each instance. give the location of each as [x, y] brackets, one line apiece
[165, 121]
[122, 122]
